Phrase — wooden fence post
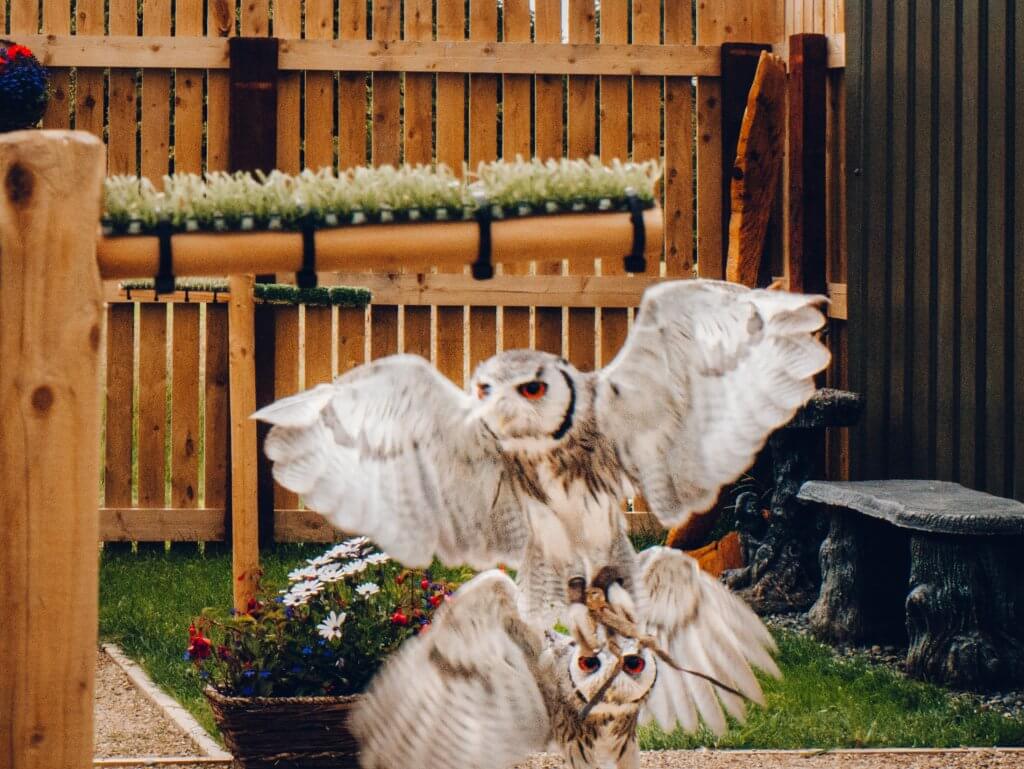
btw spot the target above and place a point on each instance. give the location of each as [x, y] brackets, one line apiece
[51, 306]
[245, 548]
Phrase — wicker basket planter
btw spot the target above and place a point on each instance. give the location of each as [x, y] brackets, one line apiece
[286, 732]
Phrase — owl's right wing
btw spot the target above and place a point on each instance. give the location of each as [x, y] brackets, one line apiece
[392, 450]
[465, 695]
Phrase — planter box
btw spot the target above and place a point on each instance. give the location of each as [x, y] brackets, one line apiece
[286, 732]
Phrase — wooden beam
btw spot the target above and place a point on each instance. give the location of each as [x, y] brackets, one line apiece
[501, 290]
[755, 173]
[837, 301]
[245, 551]
[304, 526]
[157, 52]
[385, 247]
[187, 524]
[50, 184]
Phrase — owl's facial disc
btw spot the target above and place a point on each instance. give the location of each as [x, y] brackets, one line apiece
[522, 395]
[632, 684]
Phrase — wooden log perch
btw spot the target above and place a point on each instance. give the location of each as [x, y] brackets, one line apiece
[755, 174]
[50, 327]
[386, 247]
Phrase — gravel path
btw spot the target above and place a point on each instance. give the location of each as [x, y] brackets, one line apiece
[128, 724]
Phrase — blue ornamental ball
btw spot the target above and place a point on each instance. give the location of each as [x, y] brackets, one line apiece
[24, 87]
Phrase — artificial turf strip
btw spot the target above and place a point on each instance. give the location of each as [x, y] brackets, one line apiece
[147, 600]
[271, 293]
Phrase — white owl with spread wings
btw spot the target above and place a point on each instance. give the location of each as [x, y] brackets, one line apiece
[530, 467]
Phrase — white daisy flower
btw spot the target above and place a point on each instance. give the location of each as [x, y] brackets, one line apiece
[309, 588]
[295, 599]
[377, 558]
[320, 560]
[355, 567]
[330, 628]
[367, 589]
[302, 573]
[332, 572]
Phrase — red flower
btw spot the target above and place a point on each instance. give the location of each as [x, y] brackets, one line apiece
[435, 600]
[199, 647]
[254, 606]
[399, 618]
[425, 583]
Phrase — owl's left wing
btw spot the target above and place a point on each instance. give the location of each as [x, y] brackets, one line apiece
[707, 630]
[709, 370]
[468, 694]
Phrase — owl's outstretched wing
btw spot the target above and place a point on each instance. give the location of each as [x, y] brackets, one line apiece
[709, 370]
[391, 450]
[465, 695]
[705, 629]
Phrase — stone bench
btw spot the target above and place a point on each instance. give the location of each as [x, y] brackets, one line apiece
[929, 562]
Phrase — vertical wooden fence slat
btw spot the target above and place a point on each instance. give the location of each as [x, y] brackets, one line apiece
[152, 403]
[679, 148]
[451, 93]
[220, 23]
[216, 465]
[320, 111]
[288, 25]
[352, 93]
[710, 22]
[387, 127]
[188, 94]
[245, 548]
[89, 106]
[57, 21]
[647, 90]
[383, 330]
[351, 338]
[120, 380]
[286, 378]
[185, 407]
[318, 347]
[49, 341]
[255, 18]
[156, 95]
[122, 127]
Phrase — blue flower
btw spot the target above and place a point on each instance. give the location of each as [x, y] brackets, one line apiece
[296, 669]
[321, 642]
[247, 691]
[186, 656]
[289, 612]
[204, 674]
[248, 673]
[264, 674]
[307, 650]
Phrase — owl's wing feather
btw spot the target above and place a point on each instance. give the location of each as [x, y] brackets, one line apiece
[391, 450]
[465, 695]
[709, 370]
[704, 628]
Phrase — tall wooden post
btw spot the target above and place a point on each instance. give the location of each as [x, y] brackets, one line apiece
[51, 306]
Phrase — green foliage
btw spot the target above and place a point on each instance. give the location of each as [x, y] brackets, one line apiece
[270, 293]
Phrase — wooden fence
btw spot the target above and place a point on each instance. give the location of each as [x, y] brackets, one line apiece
[388, 82]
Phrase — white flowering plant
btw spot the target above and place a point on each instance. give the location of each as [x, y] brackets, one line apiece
[327, 632]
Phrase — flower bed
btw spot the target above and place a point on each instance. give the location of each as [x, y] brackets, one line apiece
[221, 202]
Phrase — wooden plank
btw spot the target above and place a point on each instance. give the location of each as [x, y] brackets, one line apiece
[351, 338]
[286, 378]
[551, 60]
[548, 98]
[152, 404]
[122, 128]
[614, 112]
[451, 92]
[89, 85]
[185, 407]
[255, 18]
[483, 89]
[756, 171]
[120, 381]
[253, 104]
[320, 109]
[712, 16]
[383, 331]
[188, 94]
[387, 100]
[837, 297]
[483, 336]
[646, 89]
[516, 89]
[288, 24]
[318, 349]
[156, 95]
[806, 153]
[220, 23]
[451, 346]
[678, 153]
[217, 476]
[582, 89]
[57, 20]
[49, 341]
[419, 88]
[245, 552]
[304, 526]
[352, 92]
[186, 524]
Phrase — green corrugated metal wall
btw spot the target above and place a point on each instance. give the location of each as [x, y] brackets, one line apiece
[935, 143]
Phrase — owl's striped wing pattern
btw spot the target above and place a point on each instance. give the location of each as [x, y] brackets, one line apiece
[710, 369]
[391, 450]
[466, 695]
[706, 629]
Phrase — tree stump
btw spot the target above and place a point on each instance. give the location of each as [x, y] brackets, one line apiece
[944, 559]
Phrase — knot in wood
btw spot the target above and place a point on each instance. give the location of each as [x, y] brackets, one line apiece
[19, 184]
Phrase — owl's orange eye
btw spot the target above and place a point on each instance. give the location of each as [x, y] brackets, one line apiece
[633, 664]
[589, 664]
[483, 390]
[533, 390]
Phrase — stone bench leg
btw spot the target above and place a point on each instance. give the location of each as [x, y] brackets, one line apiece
[965, 610]
[864, 565]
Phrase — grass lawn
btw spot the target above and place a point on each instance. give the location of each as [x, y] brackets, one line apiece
[147, 600]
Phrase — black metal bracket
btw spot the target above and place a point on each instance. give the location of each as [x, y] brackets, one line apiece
[482, 267]
[163, 282]
[306, 277]
[635, 260]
